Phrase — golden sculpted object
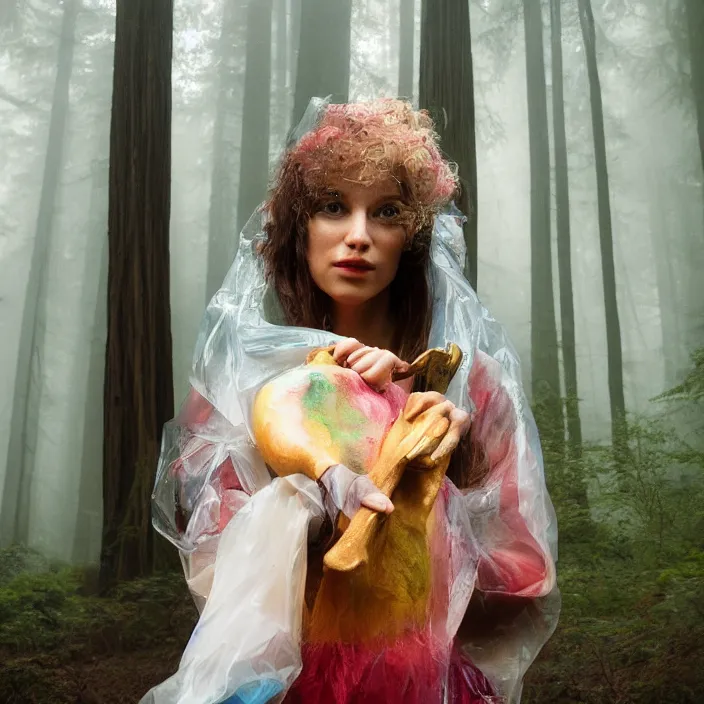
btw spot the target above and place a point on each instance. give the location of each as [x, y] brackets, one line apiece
[377, 574]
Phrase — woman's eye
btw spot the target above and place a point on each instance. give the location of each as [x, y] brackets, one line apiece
[333, 208]
[389, 211]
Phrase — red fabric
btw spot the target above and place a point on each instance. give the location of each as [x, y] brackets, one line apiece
[411, 671]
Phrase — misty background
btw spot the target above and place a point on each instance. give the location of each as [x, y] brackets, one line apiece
[589, 132]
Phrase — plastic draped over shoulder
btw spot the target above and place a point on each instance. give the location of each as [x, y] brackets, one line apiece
[212, 482]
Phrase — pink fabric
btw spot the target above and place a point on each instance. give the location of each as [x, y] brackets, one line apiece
[513, 562]
[409, 671]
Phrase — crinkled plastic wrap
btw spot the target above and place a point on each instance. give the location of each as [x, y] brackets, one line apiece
[243, 536]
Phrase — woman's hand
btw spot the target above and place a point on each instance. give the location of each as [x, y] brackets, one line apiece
[349, 490]
[459, 420]
[374, 365]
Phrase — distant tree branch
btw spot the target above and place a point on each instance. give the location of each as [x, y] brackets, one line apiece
[22, 104]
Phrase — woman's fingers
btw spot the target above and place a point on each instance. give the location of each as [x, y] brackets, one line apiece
[378, 375]
[348, 490]
[343, 349]
[458, 420]
[378, 502]
[421, 401]
[459, 425]
[375, 366]
[363, 492]
[365, 360]
[360, 353]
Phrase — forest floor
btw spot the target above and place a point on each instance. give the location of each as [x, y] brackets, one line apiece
[624, 636]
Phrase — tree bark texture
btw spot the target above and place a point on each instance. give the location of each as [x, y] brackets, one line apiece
[222, 226]
[670, 304]
[406, 45]
[138, 393]
[14, 516]
[564, 246]
[89, 485]
[446, 90]
[9, 11]
[283, 110]
[545, 369]
[295, 40]
[613, 326]
[323, 53]
[254, 158]
[695, 32]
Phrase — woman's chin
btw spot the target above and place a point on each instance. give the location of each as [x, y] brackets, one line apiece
[351, 296]
[349, 301]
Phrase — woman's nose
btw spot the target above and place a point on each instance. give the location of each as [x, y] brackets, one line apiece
[357, 235]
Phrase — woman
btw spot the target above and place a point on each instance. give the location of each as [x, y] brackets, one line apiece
[356, 254]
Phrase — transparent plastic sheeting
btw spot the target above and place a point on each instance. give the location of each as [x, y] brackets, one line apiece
[243, 536]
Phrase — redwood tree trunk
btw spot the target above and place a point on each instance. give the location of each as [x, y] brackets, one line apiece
[406, 43]
[447, 90]
[8, 13]
[695, 30]
[564, 246]
[15, 509]
[295, 40]
[660, 203]
[138, 374]
[254, 159]
[545, 370]
[221, 223]
[283, 112]
[613, 327]
[323, 53]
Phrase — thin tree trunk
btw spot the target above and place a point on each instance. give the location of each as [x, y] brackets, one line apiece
[406, 41]
[9, 11]
[283, 111]
[221, 216]
[96, 254]
[668, 299]
[695, 30]
[544, 354]
[138, 365]
[564, 247]
[613, 327]
[295, 34]
[254, 160]
[447, 90]
[323, 53]
[14, 516]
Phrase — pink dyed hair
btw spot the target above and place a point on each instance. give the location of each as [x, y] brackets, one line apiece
[368, 142]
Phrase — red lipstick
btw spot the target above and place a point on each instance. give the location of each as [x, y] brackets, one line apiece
[355, 266]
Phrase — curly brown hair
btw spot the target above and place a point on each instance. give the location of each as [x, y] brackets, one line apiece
[365, 143]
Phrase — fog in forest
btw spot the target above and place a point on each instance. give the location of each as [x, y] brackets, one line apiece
[589, 133]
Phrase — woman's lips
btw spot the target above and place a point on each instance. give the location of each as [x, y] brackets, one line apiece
[354, 268]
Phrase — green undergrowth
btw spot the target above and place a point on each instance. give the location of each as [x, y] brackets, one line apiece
[53, 631]
[626, 634]
[49, 610]
[631, 564]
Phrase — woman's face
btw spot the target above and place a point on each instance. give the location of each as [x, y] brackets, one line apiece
[355, 240]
